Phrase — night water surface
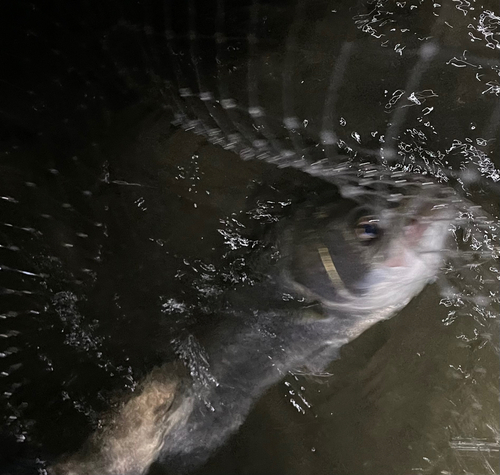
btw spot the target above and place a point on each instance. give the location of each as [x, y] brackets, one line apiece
[151, 154]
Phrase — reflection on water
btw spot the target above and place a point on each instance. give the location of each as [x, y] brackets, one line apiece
[122, 235]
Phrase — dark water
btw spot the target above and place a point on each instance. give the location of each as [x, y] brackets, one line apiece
[121, 232]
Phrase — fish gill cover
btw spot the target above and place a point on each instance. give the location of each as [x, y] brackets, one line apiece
[131, 231]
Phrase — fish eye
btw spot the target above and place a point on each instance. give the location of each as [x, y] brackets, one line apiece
[368, 229]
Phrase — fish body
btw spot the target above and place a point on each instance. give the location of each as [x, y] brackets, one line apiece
[338, 267]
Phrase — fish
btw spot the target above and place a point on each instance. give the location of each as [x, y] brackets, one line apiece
[279, 85]
[340, 265]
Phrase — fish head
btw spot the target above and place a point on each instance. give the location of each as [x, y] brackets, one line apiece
[369, 252]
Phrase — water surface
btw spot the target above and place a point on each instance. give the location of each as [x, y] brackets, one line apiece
[121, 231]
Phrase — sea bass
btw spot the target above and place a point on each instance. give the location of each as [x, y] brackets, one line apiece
[338, 265]
[296, 84]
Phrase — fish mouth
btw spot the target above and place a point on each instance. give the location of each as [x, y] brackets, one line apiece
[424, 230]
[423, 239]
